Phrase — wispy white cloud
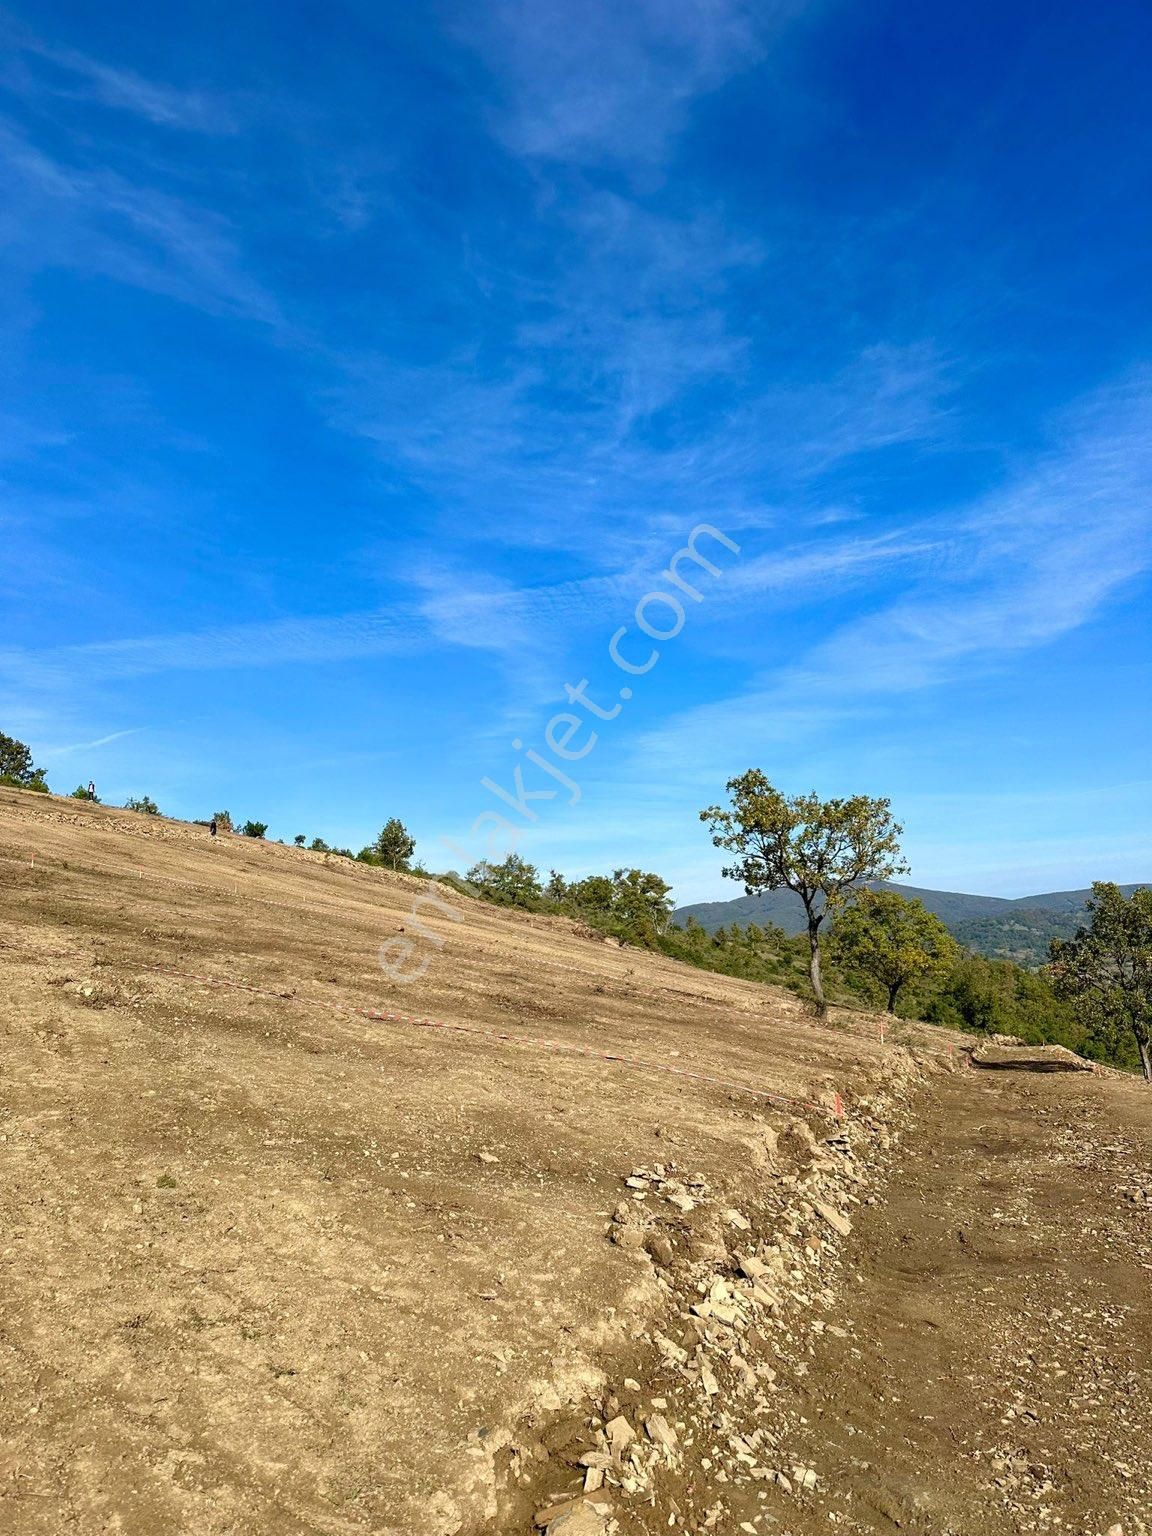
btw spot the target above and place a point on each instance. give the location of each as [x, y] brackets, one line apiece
[66, 73]
[1014, 572]
[50, 754]
[481, 613]
[625, 390]
[882, 396]
[22, 438]
[60, 215]
[628, 406]
[1028, 564]
[532, 628]
[616, 82]
[628, 319]
[808, 573]
[280, 643]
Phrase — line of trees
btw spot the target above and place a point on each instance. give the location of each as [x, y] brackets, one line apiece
[633, 904]
[1095, 994]
[884, 949]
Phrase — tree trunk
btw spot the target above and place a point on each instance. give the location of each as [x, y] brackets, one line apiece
[1145, 1057]
[814, 962]
[893, 990]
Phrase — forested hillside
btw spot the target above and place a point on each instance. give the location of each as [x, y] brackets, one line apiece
[994, 926]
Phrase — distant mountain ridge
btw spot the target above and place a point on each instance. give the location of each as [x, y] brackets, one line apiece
[1000, 927]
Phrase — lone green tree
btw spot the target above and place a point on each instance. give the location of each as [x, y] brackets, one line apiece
[16, 767]
[886, 939]
[642, 904]
[1106, 970]
[821, 849]
[395, 845]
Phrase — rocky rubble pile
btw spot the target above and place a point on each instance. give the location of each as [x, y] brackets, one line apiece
[747, 1288]
[1138, 1189]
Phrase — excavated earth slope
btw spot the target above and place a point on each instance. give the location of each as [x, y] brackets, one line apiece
[566, 1236]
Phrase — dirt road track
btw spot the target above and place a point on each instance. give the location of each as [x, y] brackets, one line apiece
[998, 1373]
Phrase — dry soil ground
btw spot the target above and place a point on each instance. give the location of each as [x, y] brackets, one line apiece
[270, 1265]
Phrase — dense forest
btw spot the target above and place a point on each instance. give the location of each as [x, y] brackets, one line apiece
[1000, 929]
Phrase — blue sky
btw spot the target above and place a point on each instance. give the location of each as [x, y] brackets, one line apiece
[363, 366]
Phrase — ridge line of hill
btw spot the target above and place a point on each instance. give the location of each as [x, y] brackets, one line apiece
[1000, 927]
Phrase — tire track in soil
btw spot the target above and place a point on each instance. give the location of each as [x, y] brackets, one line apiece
[997, 1376]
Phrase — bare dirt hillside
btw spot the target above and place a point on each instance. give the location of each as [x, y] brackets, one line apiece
[565, 1236]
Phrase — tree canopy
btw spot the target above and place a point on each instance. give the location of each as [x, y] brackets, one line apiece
[821, 849]
[888, 940]
[513, 881]
[641, 903]
[1106, 970]
[395, 844]
[16, 766]
[595, 893]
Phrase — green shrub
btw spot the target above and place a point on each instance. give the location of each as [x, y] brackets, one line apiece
[254, 828]
[37, 786]
[144, 805]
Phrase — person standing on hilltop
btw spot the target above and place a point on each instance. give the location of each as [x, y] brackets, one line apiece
[91, 790]
[212, 827]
